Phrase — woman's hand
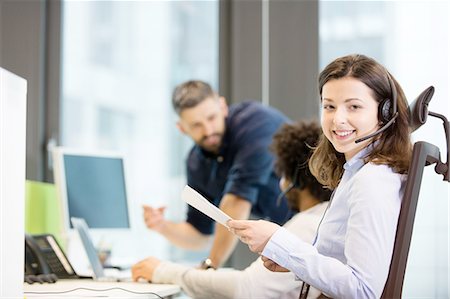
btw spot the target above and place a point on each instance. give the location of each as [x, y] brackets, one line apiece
[272, 266]
[255, 234]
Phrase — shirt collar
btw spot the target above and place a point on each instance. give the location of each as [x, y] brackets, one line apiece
[355, 163]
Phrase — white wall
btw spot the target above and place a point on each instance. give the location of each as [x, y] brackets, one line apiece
[13, 91]
[418, 56]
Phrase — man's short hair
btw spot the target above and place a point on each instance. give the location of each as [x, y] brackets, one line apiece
[189, 94]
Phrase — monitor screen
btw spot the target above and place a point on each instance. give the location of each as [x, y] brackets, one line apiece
[92, 187]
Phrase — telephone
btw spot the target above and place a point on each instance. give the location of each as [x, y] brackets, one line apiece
[44, 260]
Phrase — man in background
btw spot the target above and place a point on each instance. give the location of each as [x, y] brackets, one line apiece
[230, 165]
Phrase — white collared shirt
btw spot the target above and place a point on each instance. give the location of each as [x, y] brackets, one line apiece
[352, 253]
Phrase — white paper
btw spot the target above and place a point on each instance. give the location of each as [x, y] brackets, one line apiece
[197, 201]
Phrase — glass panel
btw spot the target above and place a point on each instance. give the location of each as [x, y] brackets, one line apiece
[411, 38]
[121, 61]
[347, 27]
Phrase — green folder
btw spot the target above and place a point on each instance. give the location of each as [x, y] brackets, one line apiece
[43, 213]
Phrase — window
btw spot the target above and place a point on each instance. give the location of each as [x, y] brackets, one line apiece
[121, 61]
[412, 39]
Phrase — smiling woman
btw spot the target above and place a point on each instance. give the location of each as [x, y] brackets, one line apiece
[356, 78]
[349, 112]
[352, 89]
[412, 38]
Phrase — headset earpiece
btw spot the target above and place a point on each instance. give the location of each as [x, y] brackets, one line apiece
[385, 111]
[388, 107]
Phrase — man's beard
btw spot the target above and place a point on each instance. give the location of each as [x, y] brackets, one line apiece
[211, 148]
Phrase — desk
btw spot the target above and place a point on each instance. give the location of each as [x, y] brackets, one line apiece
[99, 289]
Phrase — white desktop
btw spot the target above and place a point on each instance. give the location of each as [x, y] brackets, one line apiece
[83, 288]
[13, 99]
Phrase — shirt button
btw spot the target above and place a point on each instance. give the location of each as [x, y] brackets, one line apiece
[220, 159]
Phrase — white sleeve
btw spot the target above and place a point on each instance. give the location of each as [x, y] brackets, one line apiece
[253, 282]
[195, 282]
[258, 282]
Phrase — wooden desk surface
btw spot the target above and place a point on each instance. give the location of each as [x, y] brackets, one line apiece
[84, 288]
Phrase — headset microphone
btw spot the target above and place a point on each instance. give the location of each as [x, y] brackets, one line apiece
[293, 183]
[387, 125]
[282, 194]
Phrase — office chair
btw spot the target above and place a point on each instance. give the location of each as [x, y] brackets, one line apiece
[424, 154]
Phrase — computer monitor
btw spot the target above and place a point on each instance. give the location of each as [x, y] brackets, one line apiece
[91, 186]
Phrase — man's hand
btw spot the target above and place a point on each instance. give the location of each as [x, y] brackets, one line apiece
[224, 242]
[272, 266]
[255, 234]
[145, 269]
[182, 234]
[154, 218]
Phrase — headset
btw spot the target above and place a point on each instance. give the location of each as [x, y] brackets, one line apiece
[387, 111]
[294, 183]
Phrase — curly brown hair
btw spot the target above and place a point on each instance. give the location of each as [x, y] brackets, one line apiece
[393, 147]
[292, 145]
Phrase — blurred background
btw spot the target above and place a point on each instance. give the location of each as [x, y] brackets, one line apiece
[100, 76]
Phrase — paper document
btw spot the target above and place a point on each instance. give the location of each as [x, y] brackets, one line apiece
[197, 201]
